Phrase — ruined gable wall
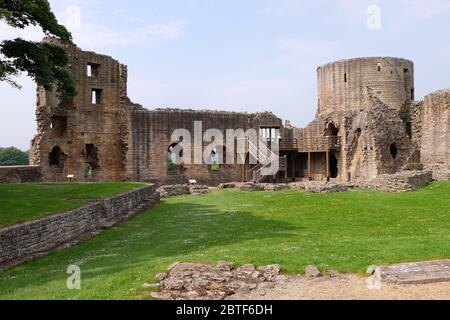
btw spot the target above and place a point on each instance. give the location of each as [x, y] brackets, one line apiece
[435, 146]
[71, 125]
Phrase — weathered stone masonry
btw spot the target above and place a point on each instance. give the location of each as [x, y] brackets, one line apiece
[35, 238]
[367, 124]
[20, 174]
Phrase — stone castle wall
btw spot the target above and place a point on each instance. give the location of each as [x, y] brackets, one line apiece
[78, 132]
[151, 136]
[368, 102]
[435, 145]
[35, 238]
[20, 174]
[343, 84]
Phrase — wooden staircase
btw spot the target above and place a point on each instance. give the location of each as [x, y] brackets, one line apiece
[269, 164]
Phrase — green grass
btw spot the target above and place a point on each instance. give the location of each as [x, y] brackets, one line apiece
[24, 202]
[343, 231]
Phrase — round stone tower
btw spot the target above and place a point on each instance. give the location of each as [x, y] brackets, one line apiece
[343, 85]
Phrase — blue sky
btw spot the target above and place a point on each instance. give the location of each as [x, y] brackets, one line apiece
[247, 55]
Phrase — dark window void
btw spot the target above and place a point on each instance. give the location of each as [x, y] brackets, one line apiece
[332, 130]
[345, 77]
[91, 156]
[96, 96]
[408, 128]
[334, 165]
[394, 151]
[93, 70]
[59, 125]
[412, 94]
[406, 71]
[56, 157]
[379, 67]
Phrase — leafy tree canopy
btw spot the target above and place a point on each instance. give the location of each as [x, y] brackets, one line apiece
[13, 157]
[44, 62]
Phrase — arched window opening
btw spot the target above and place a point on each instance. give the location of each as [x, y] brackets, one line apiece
[215, 160]
[332, 130]
[174, 158]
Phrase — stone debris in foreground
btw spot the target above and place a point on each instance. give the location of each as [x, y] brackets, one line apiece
[190, 281]
[417, 273]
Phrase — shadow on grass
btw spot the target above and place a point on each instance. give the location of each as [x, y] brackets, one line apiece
[156, 237]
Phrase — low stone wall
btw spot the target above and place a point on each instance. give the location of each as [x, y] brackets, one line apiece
[25, 241]
[182, 189]
[173, 190]
[20, 174]
[401, 182]
[441, 175]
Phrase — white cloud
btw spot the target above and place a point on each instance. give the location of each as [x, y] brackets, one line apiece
[93, 35]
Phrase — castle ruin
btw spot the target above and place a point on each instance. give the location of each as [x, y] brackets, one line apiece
[367, 124]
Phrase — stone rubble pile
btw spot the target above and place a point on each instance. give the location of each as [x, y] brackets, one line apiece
[191, 281]
[198, 190]
[400, 182]
[182, 189]
[328, 187]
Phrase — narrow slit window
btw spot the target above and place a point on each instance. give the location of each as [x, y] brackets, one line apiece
[379, 67]
[345, 77]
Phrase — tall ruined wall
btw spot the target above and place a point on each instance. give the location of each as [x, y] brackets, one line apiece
[435, 146]
[91, 128]
[343, 84]
[150, 139]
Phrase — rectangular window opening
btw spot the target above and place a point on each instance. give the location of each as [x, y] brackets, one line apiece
[93, 70]
[96, 96]
[345, 77]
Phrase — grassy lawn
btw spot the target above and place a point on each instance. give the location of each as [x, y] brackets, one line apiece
[343, 231]
[23, 202]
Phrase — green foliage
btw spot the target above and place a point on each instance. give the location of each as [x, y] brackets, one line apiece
[13, 157]
[171, 166]
[215, 167]
[44, 62]
[346, 231]
[87, 170]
